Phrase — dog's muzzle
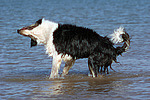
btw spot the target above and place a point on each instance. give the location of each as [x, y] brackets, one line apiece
[21, 31]
[33, 41]
[18, 31]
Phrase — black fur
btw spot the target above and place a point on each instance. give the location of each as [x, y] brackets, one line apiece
[82, 42]
[33, 42]
[39, 22]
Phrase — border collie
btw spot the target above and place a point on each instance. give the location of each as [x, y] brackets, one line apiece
[69, 42]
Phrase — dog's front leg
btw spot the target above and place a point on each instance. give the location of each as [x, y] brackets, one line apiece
[55, 66]
[68, 65]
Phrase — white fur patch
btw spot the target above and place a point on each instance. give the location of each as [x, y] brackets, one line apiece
[44, 31]
[67, 57]
[116, 36]
[44, 35]
[50, 47]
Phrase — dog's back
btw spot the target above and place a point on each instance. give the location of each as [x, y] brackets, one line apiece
[78, 42]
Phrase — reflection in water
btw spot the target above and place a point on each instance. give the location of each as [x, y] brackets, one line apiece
[78, 86]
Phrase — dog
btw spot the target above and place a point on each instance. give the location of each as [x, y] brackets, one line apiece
[70, 42]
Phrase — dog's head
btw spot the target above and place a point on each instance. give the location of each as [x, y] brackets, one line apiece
[38, 32]
[28, 31]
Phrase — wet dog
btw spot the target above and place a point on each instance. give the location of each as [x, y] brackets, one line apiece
[70, 42]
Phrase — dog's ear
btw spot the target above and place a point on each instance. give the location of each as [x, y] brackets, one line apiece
[33, 43]
[39, 21]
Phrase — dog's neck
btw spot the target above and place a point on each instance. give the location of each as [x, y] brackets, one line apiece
[48, 30]
[45, 31]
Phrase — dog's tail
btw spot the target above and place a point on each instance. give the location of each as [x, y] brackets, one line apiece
[116, 35]
[119, 36]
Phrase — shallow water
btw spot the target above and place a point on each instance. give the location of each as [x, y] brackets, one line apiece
[24, 71]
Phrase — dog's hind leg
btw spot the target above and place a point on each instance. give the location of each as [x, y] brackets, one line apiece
[55, 66]
[92, 67]
[106, 69]
[91, 70]
[68, 65]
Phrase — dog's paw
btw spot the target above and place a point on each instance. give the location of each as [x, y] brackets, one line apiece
[54, 76]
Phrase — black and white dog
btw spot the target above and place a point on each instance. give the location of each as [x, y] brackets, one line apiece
[69, 42]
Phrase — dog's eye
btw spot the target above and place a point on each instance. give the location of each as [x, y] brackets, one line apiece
[30, 27]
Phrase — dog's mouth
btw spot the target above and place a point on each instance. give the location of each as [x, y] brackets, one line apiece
[20, 31]
[33, 40]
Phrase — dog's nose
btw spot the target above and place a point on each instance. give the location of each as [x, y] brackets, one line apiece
[18, 31]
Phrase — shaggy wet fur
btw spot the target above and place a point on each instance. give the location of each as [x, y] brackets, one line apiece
[69, 42]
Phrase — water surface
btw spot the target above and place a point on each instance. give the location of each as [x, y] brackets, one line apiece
[24, 71]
